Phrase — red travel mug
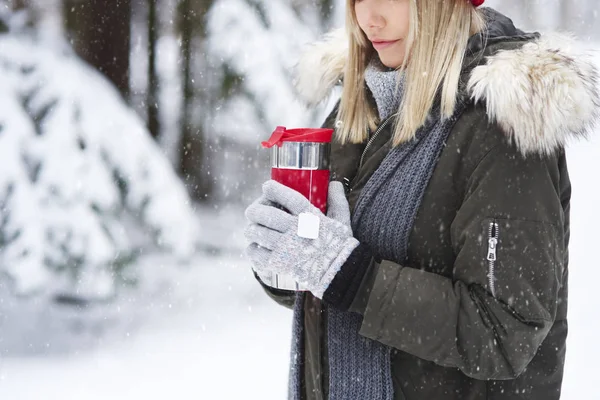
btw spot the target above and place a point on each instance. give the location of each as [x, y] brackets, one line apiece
[300, 160]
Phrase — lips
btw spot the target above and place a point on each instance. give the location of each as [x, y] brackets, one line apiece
[382, 44]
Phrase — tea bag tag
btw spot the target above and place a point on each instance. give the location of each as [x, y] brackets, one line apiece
[308, 225]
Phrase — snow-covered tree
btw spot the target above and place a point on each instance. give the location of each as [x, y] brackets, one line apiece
[253, 46]
[577, 16]
[83, 187]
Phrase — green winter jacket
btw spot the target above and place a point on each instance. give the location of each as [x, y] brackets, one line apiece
[462, 326]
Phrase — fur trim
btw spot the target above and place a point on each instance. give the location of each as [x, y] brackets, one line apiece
[541, 94]
[321, 67]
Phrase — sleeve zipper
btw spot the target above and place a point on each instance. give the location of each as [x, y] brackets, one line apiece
[493, 237]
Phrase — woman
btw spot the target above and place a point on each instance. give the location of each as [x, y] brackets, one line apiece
[440, 269]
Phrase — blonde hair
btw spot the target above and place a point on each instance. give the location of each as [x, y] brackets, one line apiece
[435, 48]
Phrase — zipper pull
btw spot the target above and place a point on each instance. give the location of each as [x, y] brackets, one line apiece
[492, 249]
[347, 185]
[492, 242]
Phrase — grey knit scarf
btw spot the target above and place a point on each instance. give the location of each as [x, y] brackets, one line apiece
[360, 368]
[386, 85]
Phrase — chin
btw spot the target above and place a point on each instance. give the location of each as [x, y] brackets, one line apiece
[391, 63]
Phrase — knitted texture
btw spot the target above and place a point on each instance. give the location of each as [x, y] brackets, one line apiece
[386, 85]
[344, 288]
[275, 245]
[401, 180]
[313, 262]
[360, 368]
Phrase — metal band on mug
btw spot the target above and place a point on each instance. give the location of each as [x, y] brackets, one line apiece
[301, 155]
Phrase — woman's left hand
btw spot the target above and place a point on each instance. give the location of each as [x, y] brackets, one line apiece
[276, 246]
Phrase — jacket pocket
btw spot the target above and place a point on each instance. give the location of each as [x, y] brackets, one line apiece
[523, 264]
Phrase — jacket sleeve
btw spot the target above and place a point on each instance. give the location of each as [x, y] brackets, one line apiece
[489, 319]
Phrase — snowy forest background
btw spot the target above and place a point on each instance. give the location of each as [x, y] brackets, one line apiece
[129, 148]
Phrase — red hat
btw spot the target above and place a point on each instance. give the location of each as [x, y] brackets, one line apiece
[477, 3]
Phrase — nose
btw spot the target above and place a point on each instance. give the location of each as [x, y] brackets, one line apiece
[375, 18]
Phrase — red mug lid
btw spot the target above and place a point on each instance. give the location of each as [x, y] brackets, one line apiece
[281, 134]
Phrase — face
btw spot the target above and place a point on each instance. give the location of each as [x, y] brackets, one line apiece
[385, 23]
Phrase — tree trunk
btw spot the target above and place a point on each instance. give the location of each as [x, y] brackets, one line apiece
[326, 11]
[101, 35]
[19, 4]
[194, 162]
[152, 100]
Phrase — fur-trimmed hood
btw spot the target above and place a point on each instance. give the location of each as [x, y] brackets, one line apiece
[541, 89]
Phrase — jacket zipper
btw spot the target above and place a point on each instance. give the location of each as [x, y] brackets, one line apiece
[369, 143]
[493, 236]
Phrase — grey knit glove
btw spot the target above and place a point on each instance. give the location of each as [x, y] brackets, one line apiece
[337, 205]
[276, 247]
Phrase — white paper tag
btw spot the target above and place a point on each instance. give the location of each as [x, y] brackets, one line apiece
[308, 225]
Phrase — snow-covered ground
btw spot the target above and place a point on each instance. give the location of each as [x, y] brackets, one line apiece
[208, 333]
[213, 334]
